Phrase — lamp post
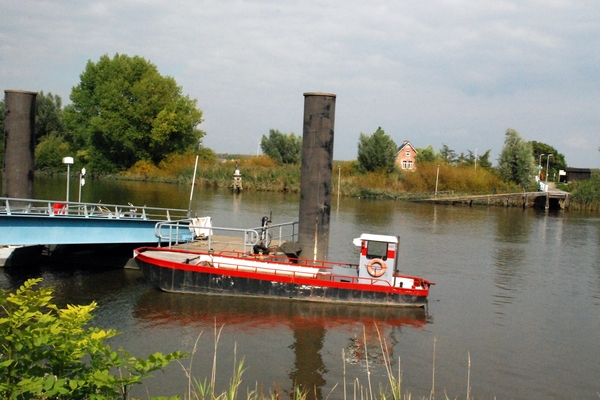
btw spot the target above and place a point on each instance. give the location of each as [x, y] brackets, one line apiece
[540, 165]
[69, 162]
[547, 161]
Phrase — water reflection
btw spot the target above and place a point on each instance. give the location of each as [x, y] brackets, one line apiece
[309, 323]
[308, 370]
[513, 226]
[374, 213]
[512, 234]
[237, 201]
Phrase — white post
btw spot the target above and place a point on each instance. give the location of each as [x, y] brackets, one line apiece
[69, 162]
[437, 175]
[68, 179]
[192, 191]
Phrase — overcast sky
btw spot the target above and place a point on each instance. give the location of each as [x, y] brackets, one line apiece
[431, 71]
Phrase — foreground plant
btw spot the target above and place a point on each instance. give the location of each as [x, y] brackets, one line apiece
[48, 352]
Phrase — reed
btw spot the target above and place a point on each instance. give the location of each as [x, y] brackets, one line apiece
[585, 195]
[206, 389]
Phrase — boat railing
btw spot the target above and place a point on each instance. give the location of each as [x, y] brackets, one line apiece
[171, 233]
[15, 206]
[306, 268]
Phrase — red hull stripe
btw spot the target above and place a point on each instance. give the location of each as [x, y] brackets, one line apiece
[277, 278]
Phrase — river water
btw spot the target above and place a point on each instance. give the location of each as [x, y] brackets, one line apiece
[514, 314]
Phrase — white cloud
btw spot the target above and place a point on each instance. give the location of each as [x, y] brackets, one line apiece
[444, 71]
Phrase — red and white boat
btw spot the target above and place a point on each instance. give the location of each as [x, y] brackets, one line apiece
[374, 280]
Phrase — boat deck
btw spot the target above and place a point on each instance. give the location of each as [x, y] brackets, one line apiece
[217, 244]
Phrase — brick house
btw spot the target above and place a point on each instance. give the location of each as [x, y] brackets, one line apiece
[407, 156]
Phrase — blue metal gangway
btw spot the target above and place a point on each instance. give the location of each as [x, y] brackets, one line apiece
[33, 222]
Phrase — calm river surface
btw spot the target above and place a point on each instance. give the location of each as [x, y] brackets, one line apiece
[518, 293]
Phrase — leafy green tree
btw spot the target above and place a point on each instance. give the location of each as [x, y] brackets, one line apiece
[426, 154]
[448, 155]
[48, 116]
[483, 160]
[377, 152]
[516, 160]
[50, 152]
[555, 163]
[48, 353]
[470, 158]
[283, 148]
[123, 111]
[51, 142]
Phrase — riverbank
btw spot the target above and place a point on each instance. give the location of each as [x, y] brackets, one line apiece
[262, 174]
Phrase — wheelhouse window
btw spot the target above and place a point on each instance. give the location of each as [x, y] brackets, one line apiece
[377, 250]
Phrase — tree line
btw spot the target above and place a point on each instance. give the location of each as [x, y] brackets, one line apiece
[123, 113]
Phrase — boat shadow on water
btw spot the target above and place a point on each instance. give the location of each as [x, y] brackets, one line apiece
[368, 333]
[158, 308]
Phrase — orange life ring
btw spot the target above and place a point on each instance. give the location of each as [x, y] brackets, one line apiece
[376, 267]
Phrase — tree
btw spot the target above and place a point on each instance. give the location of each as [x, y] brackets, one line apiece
[555, 163]
[447, 154]
[377, 152]
[283, 148]
[426, 154]
[483, 160]
[51, 142]
[516, 160]
[48, 116]
[50, 152]
[123, 111]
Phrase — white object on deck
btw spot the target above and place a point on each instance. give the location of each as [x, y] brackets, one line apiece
[200, 227]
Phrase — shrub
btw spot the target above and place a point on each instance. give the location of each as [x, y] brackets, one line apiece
[47, 352]
[586, 194]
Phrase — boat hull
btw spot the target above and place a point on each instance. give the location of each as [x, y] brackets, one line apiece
[183, 278]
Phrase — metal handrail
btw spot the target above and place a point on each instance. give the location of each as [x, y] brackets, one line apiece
[50, 208]
[176, 232]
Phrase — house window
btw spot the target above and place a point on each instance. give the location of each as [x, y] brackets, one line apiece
[404, 164]
[407, 153]
[410, 164]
